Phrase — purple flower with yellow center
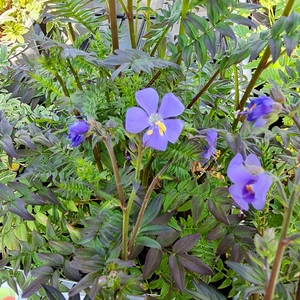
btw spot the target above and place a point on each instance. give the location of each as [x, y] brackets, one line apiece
[258, 109]
[160, 123]
[77, 132]
[251, 183]
[210, 149]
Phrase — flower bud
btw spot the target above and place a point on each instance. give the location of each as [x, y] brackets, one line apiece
[277, 95]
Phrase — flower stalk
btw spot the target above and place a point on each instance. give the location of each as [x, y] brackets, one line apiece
[145, 203]
[270, 288]
[131, 23]
[108, 143]
[113, 24]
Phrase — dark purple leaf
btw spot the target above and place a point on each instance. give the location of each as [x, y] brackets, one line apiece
[162, 219]
[51, 259]
[217, 233]
[152, 262]
[155, 229]
[85, 282]
[236, 253]
[136, 250]
[46, 193]
[52, 293]
[177, 272]
[226, 30]
[5, 261]
[194, 264]
[64, 248]
[23, 138]
[186, 243]
[7, 145]
[29, 197]
[166, 239]
[258, 46]
[248, 5]
[217, 212]
[35, 285]
[290, 42]
[242, 20]
[225, 244]
[70, 272]
[41, 271]
[17, 207]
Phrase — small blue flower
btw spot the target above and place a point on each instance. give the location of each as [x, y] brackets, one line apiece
[210, 149]
[77, 132]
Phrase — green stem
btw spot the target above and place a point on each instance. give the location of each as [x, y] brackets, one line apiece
[126, 215]
[148, 15]
[96, 153]
[184, 11]
[72, 33]
[147, 171]
[131, 23]
[206, 86]
[282, 244]
[139, 158]
[108, 143]
[59, 79]
[260, 68]
[236, 87]
[144, 205]
[75, 74]
[113, 24]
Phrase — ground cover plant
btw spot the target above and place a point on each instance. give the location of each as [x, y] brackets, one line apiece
[169, 170]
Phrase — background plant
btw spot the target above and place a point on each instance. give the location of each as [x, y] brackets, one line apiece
[121, 221]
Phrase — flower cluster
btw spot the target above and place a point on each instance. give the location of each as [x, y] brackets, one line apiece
[262, 110]
[77, 132]
[251, 183]
[160, 123]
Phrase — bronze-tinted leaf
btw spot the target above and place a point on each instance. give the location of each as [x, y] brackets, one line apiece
[52, 293]
[225, 244]
[152, 262]
[177, 272]
[217, 212]
[166, 239]
[17, 207]
[85, 282]
[51, 259]
[194, 264]
[35, 285]
[186, 243]
[217, 233]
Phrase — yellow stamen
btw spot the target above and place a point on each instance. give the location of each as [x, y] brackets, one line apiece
[150, 132]
[218, 154]
[249, 188]
[162, 127]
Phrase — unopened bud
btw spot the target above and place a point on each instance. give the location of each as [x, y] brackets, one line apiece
[277, 95]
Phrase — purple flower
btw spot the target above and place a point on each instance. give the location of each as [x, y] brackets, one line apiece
[251, 184]
[77, 131]
[161, 127]
[258, 109]
[210, 150]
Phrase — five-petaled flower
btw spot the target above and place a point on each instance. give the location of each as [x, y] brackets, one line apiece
[260, 110]
[161, 126]
[210, 149]
[251, 183]
[77, 132]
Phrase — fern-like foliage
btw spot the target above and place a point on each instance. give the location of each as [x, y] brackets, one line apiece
[75, 11]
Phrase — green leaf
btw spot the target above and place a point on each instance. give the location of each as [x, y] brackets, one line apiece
[278, 27]
[148, 242]
[275, 48]
[64, 248]
[292, 22]
[209, 40]
[17, 207]
[257, 47]
[187, 53]
[247, 272]
[199, 22]
[207, 292]
[212, 13]
[152, 210]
